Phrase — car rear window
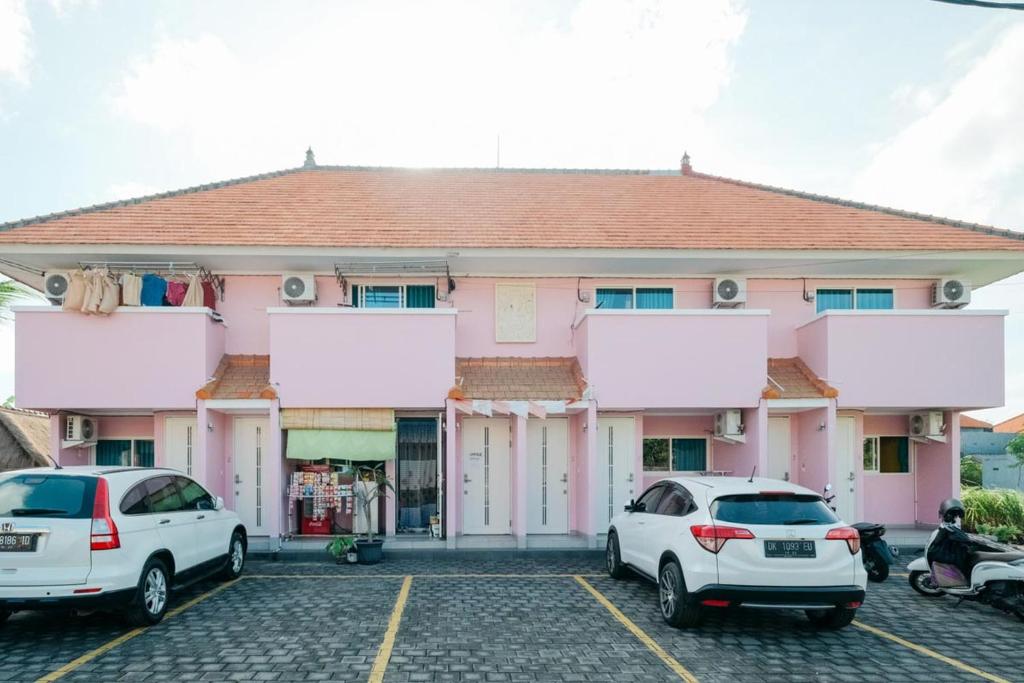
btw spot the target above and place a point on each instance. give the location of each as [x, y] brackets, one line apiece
[769, 508]
[47, 495]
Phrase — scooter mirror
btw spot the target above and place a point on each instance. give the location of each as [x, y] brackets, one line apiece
[828, 487]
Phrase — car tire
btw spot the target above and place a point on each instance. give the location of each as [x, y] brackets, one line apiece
[922, 583]
[4, 616]
[236, 558]
[831, 619]
[150, 602]
[612, 558]
[677, 609]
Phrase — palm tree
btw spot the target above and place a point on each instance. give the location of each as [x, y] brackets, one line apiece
[10, 293]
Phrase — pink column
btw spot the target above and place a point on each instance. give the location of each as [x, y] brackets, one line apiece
[56, 431]
[274, 477]
[953, 437]
[519, 481]
[451, 485]
[590, 467]
[760, 437]
[201, 446]
[392, 500]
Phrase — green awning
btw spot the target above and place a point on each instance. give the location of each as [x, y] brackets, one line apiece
[340, 444]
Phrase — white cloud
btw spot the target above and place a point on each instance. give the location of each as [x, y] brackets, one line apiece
[432, 84]
[15, 40]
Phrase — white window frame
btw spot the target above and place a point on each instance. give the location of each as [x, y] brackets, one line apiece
[634, 288]
[134, 456]
[911, 454]
[853, 292]
[708, 453]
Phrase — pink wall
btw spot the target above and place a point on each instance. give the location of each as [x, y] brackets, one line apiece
[126, 427]
[137, 358]
[740, 458]
[938, 471]
[885, 359]
[647, 359]
[322, 358]
[888, 498]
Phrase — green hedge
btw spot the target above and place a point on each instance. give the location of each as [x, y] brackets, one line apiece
[999, 512]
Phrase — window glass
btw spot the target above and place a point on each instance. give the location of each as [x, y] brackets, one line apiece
[651, 497]
[675, 502]
[40, 495]
[893, 454]
[871, 454]
[382, 297]
[144, 453]
[653, 298]
[193, 495]
[689, 455]
[656, 457]
[163, 495]
[876, 299]
[136, 501]
[834, 299]
[420, 296]
[762, 508]
[614, 298]
[114, 453]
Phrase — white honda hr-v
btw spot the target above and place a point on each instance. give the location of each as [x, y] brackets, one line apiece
[110, 537]
[733, 542]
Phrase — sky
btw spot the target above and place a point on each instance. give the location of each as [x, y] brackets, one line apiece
[913, 104]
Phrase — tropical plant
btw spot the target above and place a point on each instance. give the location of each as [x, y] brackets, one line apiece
[993, 508]
[9, 403]
[1003, 534]
[1016, 449]
[340, 546]
[10, 293]
[970, 471]
[366, 496]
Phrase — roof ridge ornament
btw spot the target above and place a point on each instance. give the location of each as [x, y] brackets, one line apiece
[310, 159]
[684, 164]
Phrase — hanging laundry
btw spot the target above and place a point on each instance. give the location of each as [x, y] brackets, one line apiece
[175, 292]
[194, 294]
[75, 295]
[131, 289]
[93, 291]
[209, 295]
[111, 295]
[154, 288]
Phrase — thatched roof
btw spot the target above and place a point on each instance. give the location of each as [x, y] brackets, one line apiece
[31, 430]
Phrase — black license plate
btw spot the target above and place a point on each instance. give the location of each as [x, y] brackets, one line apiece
[789, 549]
[18, 543]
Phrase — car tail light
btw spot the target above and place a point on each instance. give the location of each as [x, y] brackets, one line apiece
[104, 531]
[848, 534]
[712, 538]
[715, 603]
[852, 605]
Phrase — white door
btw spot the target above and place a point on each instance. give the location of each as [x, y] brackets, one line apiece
[486, 479]
[250, 458]
[844, 480]
[179, 441]
[616, 446]
[547, 475]
[779, 451]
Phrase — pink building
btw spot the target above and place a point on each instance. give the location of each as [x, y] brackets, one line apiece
[525, 351]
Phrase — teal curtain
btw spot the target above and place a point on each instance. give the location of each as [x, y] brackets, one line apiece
[834, 300]
[654, 298]
[614, 298]
[874, 299]
[689, 455]
[904, 454]
[355, 295]
[144, 453]
[113, 453]
[419, 296]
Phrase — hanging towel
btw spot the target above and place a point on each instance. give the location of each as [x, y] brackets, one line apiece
[153, 289]
[93, 291]
[175, 292]
[194, 294]
[111, 295]
[131, 289]
[209, 295]
[75, 296]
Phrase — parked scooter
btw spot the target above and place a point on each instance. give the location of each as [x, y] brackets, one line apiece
[969, 566]
[876, 554]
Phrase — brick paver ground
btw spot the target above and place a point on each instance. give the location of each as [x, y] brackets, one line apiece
[512, 625]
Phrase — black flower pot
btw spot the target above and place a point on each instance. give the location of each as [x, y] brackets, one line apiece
[370, 552]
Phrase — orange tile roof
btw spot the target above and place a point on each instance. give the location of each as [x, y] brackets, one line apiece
[450, 208]
[537, 379]
[239, 377]
[1011, 426]
[973, 423]
[791, 378]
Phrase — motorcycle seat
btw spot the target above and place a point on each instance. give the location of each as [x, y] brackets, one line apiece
[863, 527]
[983, 556]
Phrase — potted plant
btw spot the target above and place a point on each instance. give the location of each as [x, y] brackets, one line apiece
[343, 549]
[371, 483]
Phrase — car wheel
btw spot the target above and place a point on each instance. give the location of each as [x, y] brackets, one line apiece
[831, 619]
[236, 558]
[922, 583]
[612, 559]
[676, 607]
[150, 603]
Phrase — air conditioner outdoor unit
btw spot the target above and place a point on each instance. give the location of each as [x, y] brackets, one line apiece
[729, 426]
[729, 292]
[298, 288]
[79, 430]
[928, 426]
[55, 286]
[951, 293]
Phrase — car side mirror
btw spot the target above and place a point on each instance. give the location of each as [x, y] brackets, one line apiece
[218, 504]
[630, 505]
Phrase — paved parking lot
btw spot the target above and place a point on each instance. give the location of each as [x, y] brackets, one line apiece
[534, 619]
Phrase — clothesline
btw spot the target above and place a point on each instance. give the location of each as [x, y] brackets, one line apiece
[159, 268]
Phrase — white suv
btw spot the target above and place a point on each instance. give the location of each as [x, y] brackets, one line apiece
[735, 542]
[101, 537]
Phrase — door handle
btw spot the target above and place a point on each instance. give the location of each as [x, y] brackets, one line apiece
[565, 478]
[851, 477]
[786, 476]
[466, 479]
[238, 479]
[165, 521]
[630, 477]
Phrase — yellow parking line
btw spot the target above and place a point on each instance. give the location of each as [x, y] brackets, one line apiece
[380, 663]
[107, 647]
[668, 659]
[898, 574]
[420, 576]
[930, 653]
